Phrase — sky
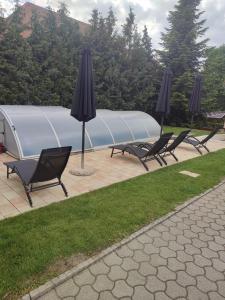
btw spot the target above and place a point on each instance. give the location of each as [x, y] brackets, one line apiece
[152, 13]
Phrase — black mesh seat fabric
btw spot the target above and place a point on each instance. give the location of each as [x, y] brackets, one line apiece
[50, 165]
[25, 167]
[144, 155]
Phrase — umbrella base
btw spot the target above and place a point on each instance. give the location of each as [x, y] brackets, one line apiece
[87, 171]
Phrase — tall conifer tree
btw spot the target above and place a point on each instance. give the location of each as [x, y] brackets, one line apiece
[183, 50]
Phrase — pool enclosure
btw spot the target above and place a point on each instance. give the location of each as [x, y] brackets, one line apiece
[26, 130]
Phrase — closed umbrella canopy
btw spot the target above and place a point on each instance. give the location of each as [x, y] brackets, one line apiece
[163, 104]
[195, 100]
[84, 102]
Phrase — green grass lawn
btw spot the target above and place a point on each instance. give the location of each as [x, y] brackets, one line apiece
[32, 242]
[177, 130]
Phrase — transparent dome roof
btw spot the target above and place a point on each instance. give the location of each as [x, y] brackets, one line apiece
[29, 129]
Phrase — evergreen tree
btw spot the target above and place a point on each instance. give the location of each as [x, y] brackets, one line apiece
[214, 80]
[15, 63]
[183, 51]
[103, 41]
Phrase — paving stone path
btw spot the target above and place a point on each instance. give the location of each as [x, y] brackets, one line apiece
[181, 258]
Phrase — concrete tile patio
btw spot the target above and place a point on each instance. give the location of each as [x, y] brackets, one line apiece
[108, 171]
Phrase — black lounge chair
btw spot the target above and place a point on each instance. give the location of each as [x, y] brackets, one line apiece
[50, 165]
[170, 148]
[142, 154]
[198, 144]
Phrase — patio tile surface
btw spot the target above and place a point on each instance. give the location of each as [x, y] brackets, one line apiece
[109, 170]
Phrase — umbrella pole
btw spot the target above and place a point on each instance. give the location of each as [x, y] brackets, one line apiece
[162, 122]
[192, 121]
[83, 144]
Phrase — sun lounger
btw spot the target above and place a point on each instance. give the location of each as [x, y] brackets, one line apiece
[50, 165]
[198, 144]
[142, 154]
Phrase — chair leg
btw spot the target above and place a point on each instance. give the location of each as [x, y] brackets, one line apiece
[28, 195]
[174, 156]
[206, 148]
[7, 172]
[64, 189]
[158, 160]
[197, 148]
[163, 159]
[144, 164]
[112, 152]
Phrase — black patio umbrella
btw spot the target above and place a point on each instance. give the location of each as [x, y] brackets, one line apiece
[163, 104]
[195, 100]
[84, 102]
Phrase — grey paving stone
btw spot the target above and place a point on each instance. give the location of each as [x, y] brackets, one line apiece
[202, 261]
[165, 274]
[183, 240]
[156, 260]
[86, 293]
[67, 289]
[106, 296]
[205, 238]
[173, 245]
[194, 294]
[159, 242]
[218, 264]
[205, 285]
[150, 249]
[116, 273]
[135, 279]
[215, 246]
[124, 251]
[175, 265]
[122, 289]
[147, 269]
[184, 279]
[135, 245]
[113, 259]
[215, 296]
[208, 253]
[129, 264]
[222, 255]
[184, 257]
[153, 233]
[145, 239]
[190, 234]
[213, 275]
[174, 290]
[168, 236]
[198, 243]
[219, 240]
[165, 252]
[154, 284]
[84, 278]
[102, 283]
[140, 293]
[194, 270]
[99, 268]
[221, 288]
[191, 250]
[161, 296]
[140, 256]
